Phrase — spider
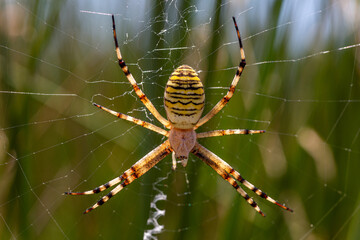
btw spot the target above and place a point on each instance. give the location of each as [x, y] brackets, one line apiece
[184, 102]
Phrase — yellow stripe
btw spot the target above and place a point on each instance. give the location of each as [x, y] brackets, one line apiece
[186, 78]
[186, 108]
[186, 91]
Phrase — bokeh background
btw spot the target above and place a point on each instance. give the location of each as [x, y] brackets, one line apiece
[301, 85]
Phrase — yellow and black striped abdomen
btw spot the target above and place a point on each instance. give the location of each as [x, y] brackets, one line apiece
[184, 98]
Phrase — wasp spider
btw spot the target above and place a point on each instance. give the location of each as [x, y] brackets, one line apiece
[184, 103]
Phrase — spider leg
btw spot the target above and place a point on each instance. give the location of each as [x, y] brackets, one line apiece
[217, 133]
[231, 91]
[250, 186]
[132, 80]
[211, 159]
[134, 120]
[136, 171]
[221, 167]
[101, 187]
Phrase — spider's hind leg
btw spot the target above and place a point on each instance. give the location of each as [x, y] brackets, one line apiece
[234, 82]
[132, 81]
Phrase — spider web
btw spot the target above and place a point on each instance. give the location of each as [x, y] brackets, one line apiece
[301, 84]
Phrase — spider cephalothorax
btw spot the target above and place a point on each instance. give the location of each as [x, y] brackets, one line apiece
[184, 102]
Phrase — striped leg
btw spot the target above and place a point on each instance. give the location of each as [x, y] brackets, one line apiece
[231, 91]
[250, 186]
[134, 120]
[131, 79]
[210, 159]
[101, 187]
[136, 171]
[217, 133]
[217, 163]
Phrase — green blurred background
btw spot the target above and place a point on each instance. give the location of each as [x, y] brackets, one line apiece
[301, 85]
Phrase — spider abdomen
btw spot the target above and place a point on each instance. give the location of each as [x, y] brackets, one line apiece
[184, 98]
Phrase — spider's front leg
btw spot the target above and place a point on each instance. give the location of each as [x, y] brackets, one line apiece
[225, 170]
[136, 171]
